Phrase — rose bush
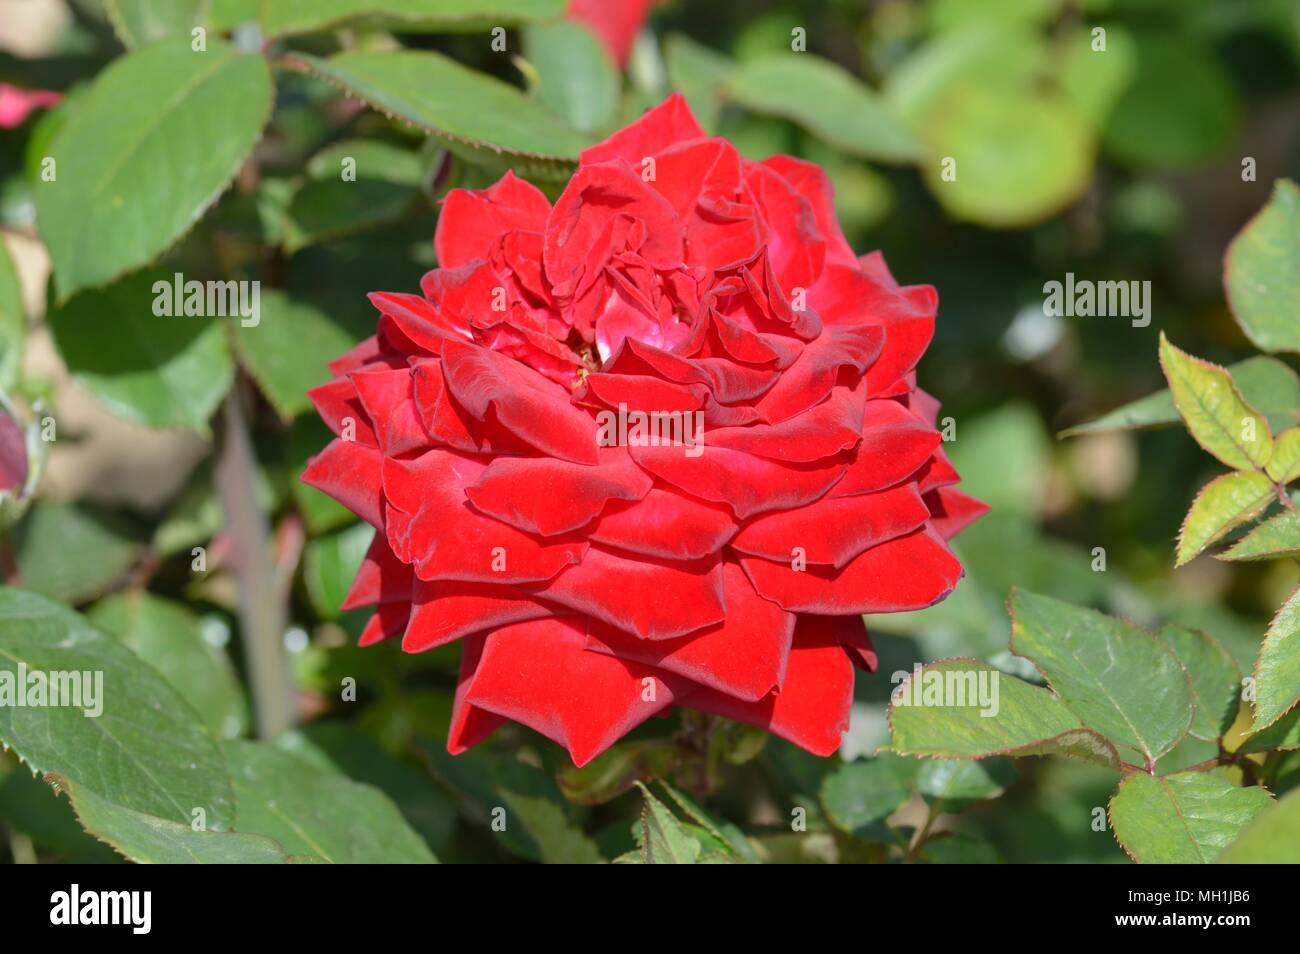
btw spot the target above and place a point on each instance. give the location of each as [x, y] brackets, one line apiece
[595, 584]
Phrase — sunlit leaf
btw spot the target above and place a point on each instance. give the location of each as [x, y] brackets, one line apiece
[1117, 679]
[1222, 504]
[1181, 819]
[1215, 413]
[1277, 670]
[162, 114]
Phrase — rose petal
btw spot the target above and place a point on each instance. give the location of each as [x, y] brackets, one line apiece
[545, 496]
[657, 129]
[812, 707]
[351, 474]
[523, 402]
[951, 511]
[834, 530]
[665, 524]
[898, 576]
[469, 724]
[445, 611]
[747, 484]
[473, 221]
[539, 674]
[629, 593]
[743, 656]
[431, 525]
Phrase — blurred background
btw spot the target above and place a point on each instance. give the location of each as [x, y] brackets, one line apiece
[1136, 161]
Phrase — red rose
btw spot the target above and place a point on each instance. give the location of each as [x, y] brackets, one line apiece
[500, 433]
[615, 22]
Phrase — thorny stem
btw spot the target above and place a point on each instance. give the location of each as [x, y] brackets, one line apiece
[918, 842]
[261, 612]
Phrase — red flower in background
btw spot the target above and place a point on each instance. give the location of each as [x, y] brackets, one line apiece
[616, 22]
[16, 104]
[594, 586]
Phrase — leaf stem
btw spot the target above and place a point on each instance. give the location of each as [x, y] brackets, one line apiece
[261, 610]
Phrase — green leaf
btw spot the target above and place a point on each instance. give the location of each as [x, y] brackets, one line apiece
[73, 552]
[1002, 59]
[1277, 670]
[456, 104]
[1216, 680]
[482, 778]
[859, 796]
[1271, 838]
[148, 839]
[697, 72]
[1217, 416]
[1181, 819]
[731, 839]
[1277, 537]
[954, 786]
[958, 848]
[370, 159]
[1179, 108]
[316, 812]
[161, 114]
[663, 839]
[381, 188]
[288, 351]
[330, 564]
[1004, 458]
[1225, 502]
[228, 14]
[1119, 680]
[30, 806]
[1283, 734]
[827, 101]
[1262, 272]
[1284, 465]
[1265, 383]
[146, 751]
[288, 17]
[13, 321]
[343, 747]
[1027, 720]
[1094, 80]
[155, 371]
[169, 637]
[1004, 159]
[139, 22]
[942, 15]
[559, 841]
[325, 209]
[577, 78]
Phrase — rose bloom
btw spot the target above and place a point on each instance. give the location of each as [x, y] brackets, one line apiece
[596, 574]
[615, 22]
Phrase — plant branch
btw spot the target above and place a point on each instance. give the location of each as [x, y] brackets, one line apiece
[261, 609]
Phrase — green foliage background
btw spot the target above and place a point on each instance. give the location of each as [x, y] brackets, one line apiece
[1122, 164]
